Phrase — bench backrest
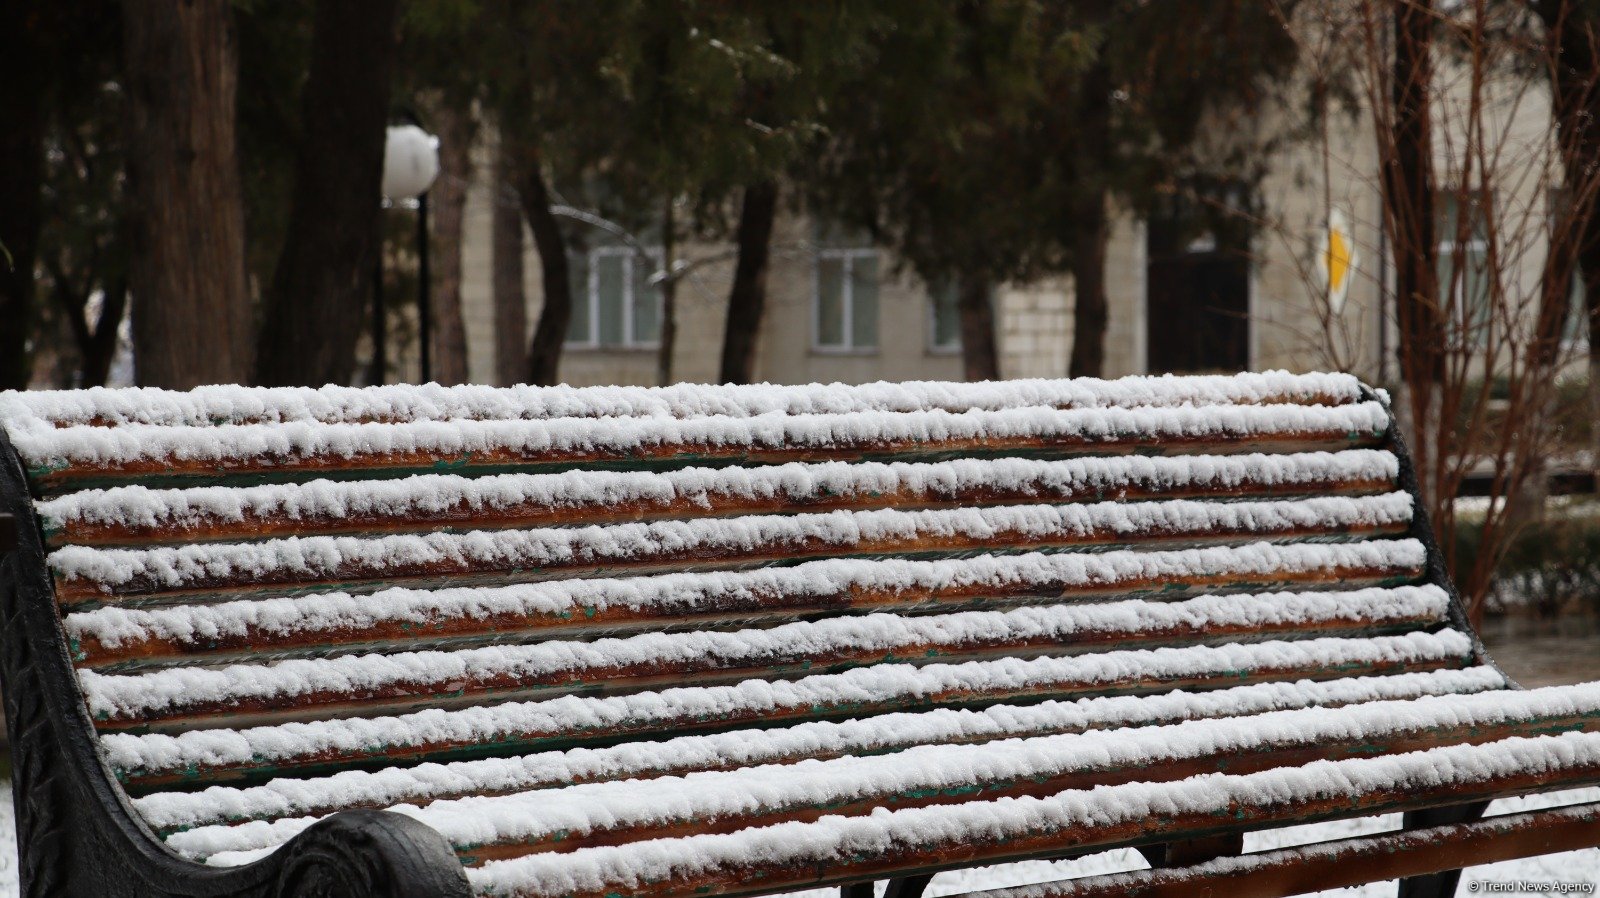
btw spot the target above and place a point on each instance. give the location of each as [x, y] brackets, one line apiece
[601, 565]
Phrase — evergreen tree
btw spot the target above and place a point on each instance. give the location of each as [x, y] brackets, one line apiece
[991, 139]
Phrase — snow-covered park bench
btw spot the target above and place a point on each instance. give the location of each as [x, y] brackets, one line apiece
[721, 641]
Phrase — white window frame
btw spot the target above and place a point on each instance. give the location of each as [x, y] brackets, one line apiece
[1445, 248]
[934, 346]
[1461, 315]
[847, 299]
[1580, 340]
[630, 259]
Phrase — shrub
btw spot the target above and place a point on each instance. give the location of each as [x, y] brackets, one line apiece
[1551, 566]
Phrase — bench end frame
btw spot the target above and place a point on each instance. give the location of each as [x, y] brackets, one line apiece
[77, 833]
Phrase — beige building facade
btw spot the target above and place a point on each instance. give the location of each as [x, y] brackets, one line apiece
[1181, 299]
[835, 312]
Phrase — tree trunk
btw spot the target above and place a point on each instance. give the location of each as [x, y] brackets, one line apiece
[1578, 107]
[1594, 398]
[1574, 59]
[186, 264]
[101, 349]
[1572, 83]
[1090, 310]
[448, 199]
[96, 340]
[747, 300]
[21, 177]
[555, 316]
[1092, 142]
[510, 300]
[979, 358]
[378, 316]
[1408, 212]
[669, 298]
[323, 279]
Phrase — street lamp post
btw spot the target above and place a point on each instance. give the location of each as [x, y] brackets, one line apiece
[410, 165]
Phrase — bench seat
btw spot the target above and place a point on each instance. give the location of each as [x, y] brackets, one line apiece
[587, 643]
[485, 825]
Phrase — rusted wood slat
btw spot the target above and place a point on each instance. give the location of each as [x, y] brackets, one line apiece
[949, 851]
[157, 585]
[1342, 863]
[202, 525]
[1243, 760]
[53, 479]
[610, 732]
[511, 684]
[750, 607]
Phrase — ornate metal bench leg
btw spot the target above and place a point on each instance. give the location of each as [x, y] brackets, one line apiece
[856, 890]
[904, 887]
[1438, 885]
[1193, 851]
[908, 886]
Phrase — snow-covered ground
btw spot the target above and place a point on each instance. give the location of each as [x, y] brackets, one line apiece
[8, 844]
[1571, 867]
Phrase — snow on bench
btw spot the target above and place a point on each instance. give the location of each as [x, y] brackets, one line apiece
[87, 574]
[786, 855]
[218, 405]
[469, 676]
[225, 754]
[136, 514]
[738, 640]
[583, 815]
[113, 636]
[61, 458]
[420, 784]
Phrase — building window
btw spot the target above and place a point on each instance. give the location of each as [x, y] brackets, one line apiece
[845, 300]
[1199, 267]
[614, 305]
[1575, 330]
[1463, 266]
[944, 318]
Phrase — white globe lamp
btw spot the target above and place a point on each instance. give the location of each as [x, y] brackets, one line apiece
[410, 163]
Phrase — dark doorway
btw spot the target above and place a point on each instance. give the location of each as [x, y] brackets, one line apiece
[1198, 298]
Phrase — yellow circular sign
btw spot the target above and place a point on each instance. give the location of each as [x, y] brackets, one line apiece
[1338, 259]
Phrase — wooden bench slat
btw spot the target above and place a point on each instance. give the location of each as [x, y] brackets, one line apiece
[341, 623]
[79, 457]
[326, 564]
[838, 849]
[135, 515]
[168, 812]
[186, 697]
[1343, 862]
[210, 406]
[635, 811]
[149, 761]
